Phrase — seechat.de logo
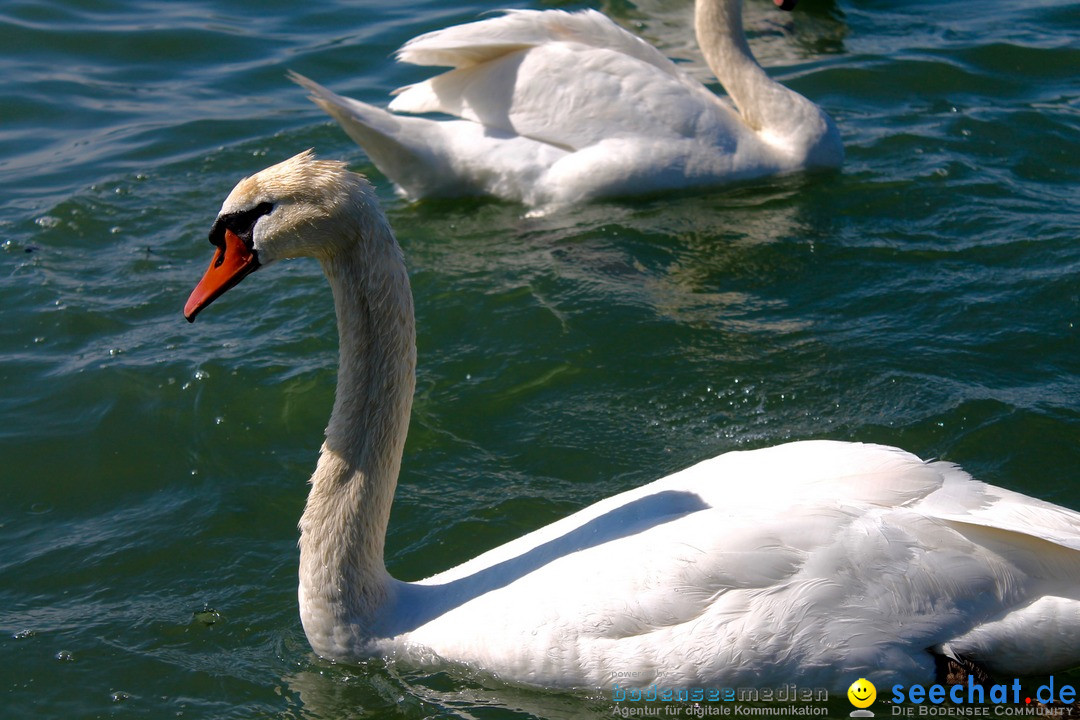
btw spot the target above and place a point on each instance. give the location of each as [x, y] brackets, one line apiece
[862, 694]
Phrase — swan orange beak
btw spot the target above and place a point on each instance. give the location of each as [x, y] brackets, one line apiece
[232, 262]
[786, 4]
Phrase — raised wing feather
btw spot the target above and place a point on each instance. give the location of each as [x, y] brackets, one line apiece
[478, 42]
[569, 80]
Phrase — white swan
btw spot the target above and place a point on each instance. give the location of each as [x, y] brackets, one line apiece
[813, 562]
[556, 108]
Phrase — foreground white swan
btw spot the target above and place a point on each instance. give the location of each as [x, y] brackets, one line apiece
[813, 562]
[556, 108]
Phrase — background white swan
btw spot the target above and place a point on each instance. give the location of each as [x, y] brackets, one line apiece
[556, 108]
[812, 562]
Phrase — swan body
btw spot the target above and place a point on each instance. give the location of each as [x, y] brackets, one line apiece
[552, 108]
[813, 562]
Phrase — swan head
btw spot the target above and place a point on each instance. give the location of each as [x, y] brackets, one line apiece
[296, 208]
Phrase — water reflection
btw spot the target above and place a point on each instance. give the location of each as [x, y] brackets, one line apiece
[342, 692]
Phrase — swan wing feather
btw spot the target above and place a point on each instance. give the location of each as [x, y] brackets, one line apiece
[482, 41]
[444, 159]
[763, 565]
[570, 80]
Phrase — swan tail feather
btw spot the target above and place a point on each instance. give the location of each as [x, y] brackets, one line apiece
[1040, 638]
[1042, 541]
[399, 146]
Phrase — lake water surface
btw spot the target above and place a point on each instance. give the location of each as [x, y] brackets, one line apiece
[153, 472]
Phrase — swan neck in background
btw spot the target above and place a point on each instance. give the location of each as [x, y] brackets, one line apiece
[343, 577]
[719, 28]
[782, 118]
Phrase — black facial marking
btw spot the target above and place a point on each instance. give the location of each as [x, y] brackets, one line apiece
[241, 223]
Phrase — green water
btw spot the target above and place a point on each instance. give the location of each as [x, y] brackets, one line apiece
[926, 296]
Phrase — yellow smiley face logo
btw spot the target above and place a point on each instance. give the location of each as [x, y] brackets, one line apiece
[862, 693]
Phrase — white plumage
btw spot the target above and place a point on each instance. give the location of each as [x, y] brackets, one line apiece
[812, 562]
[553, 108]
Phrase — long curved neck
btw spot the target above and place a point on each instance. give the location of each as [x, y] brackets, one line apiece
[782, 117]
[719, 28]
[343, 578]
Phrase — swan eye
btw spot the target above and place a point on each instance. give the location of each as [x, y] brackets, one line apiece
[241, 223]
